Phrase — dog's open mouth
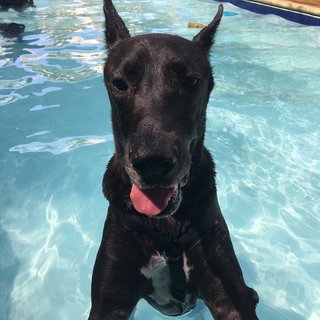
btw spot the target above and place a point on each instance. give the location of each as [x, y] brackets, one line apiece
[152, 201]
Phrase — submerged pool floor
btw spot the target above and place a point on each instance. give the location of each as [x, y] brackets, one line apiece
[263, 129]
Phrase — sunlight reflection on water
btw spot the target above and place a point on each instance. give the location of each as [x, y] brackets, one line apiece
[56, 138]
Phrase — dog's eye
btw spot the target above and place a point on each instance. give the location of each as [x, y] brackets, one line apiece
[120, 84]
[190, 82]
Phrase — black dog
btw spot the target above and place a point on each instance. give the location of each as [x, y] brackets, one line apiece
[12, 29]
[164, 239]
[15, 3]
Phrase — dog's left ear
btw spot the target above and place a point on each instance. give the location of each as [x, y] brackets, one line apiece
[206, 36]
[115, 29]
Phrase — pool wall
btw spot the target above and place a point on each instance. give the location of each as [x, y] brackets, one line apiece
[264, 8]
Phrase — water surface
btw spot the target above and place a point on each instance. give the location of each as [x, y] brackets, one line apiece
[263, 130]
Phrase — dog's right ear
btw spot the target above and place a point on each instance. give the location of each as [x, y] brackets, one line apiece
[206, 36]
[115, 29]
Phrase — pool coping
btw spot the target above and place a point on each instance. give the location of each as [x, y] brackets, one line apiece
[305, 15]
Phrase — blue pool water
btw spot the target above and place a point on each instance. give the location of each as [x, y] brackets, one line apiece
[55, 139]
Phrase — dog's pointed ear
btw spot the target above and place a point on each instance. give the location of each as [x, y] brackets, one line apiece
[206, 36]
[115, 29]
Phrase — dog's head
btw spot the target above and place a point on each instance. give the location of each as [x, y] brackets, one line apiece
[159, 86]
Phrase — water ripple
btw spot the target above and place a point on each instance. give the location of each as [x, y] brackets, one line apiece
[42, 107]
[61, 145]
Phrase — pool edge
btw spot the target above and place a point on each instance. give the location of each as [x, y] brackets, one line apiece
[286, 13]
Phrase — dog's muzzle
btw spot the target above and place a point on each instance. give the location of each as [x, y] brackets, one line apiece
[157, 190]
[157, 163]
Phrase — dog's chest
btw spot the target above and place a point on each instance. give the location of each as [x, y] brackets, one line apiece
[172, 294]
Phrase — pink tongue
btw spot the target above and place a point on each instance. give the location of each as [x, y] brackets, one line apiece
[151, 201]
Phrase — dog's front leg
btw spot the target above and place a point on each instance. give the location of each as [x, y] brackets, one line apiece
[210, 286]
[117, 283]
[223, 263]
[215, 270]
[114, 295]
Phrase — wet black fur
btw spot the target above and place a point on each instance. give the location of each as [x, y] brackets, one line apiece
[159, 86]
[15, 3]
[11, 28]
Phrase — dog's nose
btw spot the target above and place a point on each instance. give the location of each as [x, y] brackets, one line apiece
[153, 166]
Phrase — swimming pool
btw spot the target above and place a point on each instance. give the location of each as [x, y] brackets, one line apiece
[263, 129]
